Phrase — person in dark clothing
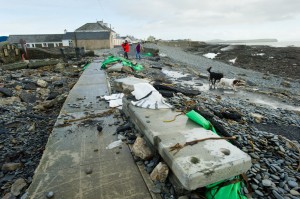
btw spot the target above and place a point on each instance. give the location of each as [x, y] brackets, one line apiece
[138, 49]
[126, 49]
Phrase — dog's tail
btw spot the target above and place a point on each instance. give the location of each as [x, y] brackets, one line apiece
[209, 69]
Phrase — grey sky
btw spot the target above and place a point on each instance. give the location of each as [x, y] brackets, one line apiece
[165, 19]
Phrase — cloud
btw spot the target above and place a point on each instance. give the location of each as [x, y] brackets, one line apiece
[196, 19]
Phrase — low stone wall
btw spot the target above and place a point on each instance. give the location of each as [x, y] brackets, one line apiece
[181, 43]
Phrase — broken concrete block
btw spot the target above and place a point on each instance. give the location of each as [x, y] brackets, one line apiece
[126, 85]
[160, 172]
[141, 150]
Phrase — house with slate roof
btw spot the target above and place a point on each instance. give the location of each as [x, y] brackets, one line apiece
[90, 36]
[37, 41]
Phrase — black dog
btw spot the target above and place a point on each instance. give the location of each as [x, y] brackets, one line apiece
[213, 77]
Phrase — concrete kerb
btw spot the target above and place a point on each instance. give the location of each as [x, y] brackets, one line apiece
[216, 160]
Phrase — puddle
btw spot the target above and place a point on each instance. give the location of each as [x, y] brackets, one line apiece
[188, 81]
[261, 99]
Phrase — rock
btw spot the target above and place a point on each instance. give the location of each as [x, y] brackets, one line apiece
[28, 97]
[8, 100]
[292, 184]
[259, 193]
[286, 84]
[42, 83]
[266, 182]
[6, 92]
[30, 86]
[88, 170]
[9, 196]
[60, 67]
[183, 197]
[43, 92]
[160, 172]
[50, 194]
[294, 192]
[18, 185]
[127, 69]
[156, 190]
[277, 195]
[258, 117]
[11, 166]
[141, 150]
[52, 95]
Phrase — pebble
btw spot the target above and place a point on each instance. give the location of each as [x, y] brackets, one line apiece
[267, 183]
[277, 195]
[155, 190]
[50, 194]
[88, 171]
[294, 192]
[292, 184]
[259, 193]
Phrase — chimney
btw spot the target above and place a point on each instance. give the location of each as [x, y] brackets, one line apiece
[65, 31]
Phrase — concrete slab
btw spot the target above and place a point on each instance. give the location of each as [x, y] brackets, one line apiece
[215, 159]
[126, 84]
[74, 149]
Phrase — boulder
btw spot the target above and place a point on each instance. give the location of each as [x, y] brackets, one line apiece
[60, 67]
[160, 172]
[141, 150]
[15, 66]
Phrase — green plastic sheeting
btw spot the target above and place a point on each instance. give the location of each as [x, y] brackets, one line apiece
[111, 59]
[216, 190]
[125, 62]
[230, 191]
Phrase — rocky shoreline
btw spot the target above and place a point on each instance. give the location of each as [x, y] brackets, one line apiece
[30, 101]
[267, 129]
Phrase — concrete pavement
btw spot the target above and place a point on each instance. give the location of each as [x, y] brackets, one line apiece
[76, 163]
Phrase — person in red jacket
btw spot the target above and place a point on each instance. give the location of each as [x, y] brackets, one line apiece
[126, 49]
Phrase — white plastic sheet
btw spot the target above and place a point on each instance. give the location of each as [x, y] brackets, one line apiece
[148, 97]
[114, 144]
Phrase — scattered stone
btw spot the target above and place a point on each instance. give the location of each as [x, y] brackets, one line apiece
[28, 97]
[88, 170]
[6, 92]
[266, 182]
[99, 128]
[141, 150]
[9, 196]
[258, 117]
[11, 166]
[160, 172]
[50, 194]
[17, 186]
[42, 83]
[294, 192]
[292, 184]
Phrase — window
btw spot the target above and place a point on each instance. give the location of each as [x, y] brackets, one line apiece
[33, 46]
[44, 44]
[28, 45]
[17, 52]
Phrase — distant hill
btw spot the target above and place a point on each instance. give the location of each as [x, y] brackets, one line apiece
[242, 41]
[3, 38]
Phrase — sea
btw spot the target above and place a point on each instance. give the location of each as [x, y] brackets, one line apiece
[273, 44]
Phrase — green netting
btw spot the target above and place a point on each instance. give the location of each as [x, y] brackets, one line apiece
[147, 54]
[125, 62]
[85, 66]
[217, 190]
